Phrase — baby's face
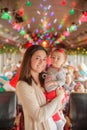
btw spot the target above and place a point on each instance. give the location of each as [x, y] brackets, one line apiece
[57, 59]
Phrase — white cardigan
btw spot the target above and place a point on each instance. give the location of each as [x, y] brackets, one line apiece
[37, 114]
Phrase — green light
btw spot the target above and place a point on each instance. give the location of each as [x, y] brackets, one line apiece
[22, 32]
[28, 3]
[53, 38]
[48, 31]
[63, 37]
[6, 16]
[25, 18]
[71, 28]
[72, 11]
[57, 42]
[38, 35]
[44, 18]
[52, 29]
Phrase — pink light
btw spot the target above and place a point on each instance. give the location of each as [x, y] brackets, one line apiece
[16, 26]
[59, 39]
[66, 33]
[26, 36]
[83, 18]
[73, 3]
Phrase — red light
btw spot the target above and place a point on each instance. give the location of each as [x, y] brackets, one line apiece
[85, 13]
[21, 12]
[28, 44]
[63, 2]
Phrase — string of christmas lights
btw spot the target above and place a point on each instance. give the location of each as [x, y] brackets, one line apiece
[45, 25]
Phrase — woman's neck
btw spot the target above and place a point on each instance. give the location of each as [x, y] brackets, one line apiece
[35, 77]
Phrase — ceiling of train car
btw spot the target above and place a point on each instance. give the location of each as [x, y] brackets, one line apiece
[55, 21]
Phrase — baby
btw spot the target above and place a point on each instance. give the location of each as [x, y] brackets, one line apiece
[55, 78]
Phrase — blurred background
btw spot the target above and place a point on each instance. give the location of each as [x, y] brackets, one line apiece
[50, 23]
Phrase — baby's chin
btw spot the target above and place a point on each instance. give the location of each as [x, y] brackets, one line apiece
[56, 66]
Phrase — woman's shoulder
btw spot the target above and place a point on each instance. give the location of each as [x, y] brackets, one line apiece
[23, 84]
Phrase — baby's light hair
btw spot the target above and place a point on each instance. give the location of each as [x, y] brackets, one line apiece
[60, 50]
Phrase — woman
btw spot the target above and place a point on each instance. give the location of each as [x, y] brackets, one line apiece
[37, 113]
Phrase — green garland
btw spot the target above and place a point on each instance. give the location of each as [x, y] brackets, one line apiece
[6, 48]
[77, 51]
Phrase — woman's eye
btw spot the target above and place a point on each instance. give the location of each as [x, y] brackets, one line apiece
[58, 58]
[37, 58]
[45, 59]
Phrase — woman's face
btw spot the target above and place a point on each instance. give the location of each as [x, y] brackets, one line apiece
[38, 61]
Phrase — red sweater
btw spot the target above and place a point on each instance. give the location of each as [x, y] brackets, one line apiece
[49, 96]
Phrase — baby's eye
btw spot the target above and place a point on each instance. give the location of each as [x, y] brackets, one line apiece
[53, 57]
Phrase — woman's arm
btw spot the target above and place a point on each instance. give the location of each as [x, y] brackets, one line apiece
[29, 101]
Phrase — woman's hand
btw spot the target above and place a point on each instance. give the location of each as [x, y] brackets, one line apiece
[60, 92]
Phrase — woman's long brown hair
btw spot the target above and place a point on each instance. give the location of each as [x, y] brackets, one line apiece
[25, 69]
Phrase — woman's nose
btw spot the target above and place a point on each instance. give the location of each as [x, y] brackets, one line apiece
[41, 61]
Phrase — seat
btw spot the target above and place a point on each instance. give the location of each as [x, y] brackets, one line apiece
[8, 107]
[78, 111]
